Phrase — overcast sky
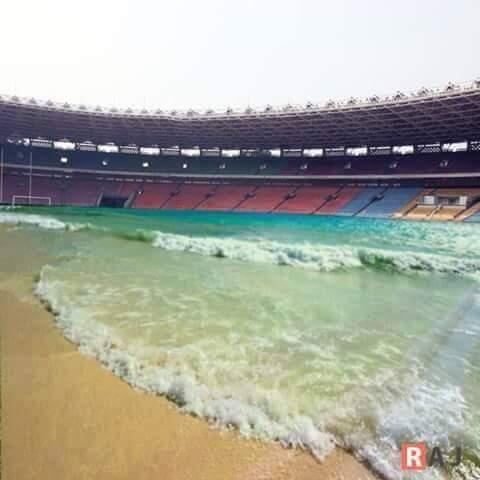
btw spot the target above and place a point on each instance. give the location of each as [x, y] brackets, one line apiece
[215, 53]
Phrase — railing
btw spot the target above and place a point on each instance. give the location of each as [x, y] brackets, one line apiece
[264, 110]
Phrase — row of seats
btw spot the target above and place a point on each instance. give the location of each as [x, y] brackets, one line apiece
[381, 202]
[442, 163]
[442, 211]
[475, 217]
[385, 203]
[360, 201]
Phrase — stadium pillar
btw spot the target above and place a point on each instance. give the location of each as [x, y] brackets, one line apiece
[1, 174]
[30, 179]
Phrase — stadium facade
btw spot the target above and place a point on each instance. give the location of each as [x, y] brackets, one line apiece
[412, 156]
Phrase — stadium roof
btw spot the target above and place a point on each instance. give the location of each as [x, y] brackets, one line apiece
[450, 114]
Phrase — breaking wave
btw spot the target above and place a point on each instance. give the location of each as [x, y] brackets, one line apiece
[257, 418]
[323, 258]
[385, 410]
[394, 410]
[42, 221]
[310, 256]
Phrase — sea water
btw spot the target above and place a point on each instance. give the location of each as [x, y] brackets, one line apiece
[312, 331]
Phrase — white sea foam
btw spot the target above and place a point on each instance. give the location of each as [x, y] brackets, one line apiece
[379, 415]
[423, 411]
[314, 257]
[256, 418]
[310, 256]
[317, 257]
[41, 221]
[49, 223]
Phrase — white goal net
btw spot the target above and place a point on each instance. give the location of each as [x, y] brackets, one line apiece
[31, 200]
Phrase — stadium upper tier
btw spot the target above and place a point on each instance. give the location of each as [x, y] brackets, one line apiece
[450, 114]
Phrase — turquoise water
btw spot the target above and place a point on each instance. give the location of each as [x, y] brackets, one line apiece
[313, 331]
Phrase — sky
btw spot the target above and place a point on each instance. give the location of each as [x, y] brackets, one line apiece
[219, 53]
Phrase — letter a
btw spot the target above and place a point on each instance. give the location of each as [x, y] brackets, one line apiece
[436, 458]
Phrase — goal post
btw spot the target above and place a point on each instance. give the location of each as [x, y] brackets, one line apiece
[31, 200]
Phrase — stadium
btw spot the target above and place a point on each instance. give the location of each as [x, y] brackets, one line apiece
[409, 156]
[283, 288]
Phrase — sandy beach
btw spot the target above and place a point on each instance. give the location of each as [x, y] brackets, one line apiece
[66, 417]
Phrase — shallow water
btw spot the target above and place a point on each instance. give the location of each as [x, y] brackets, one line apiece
[313, 331]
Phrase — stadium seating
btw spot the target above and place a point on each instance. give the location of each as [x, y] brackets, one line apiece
[153, 195]
[49, 188]
[272, 166]
[264, 199]
[403, 211]
[82, 192]
[341, 198]
[446, 212]
[241, 166]
[82, 178]
[363, 199]
[421, 212]
[208, 165]
[130, 186]
[306, 199]
[226, 197]
[415, 210]
[14, 185]
[323, 166]
[292, 166]
[389, 202]
[189, 197]
[473, 215]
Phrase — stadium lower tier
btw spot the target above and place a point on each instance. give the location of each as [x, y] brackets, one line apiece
[390, 201]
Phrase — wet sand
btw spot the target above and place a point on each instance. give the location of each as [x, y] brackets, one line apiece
[65, 417]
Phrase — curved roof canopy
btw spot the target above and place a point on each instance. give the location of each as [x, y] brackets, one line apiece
[451, 114]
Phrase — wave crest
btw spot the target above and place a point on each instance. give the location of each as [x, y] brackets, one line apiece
[309, 256]
[323, 258]
[256, 418]
[42, 221]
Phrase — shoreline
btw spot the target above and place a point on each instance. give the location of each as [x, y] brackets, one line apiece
[64, 416]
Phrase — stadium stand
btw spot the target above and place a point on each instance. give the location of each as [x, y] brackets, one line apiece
[81, 192]
[48, 188]
[188, 197]
[320, 159]
[15, 185]
[401, 212]
[153, 195]
[292, 166]
[264, 199]
[471, 214]
[446, 205]
[446, 212]
[447, 208]
[361, 201]
[339, 200]
[421, 212]
[130, 187]
[305, 199]
[240, 166]
[226, 197]
[389, 202]
[474, 217]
